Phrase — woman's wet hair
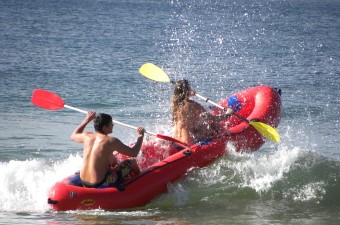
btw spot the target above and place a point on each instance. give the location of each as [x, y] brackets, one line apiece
[182, 88]
[100, 121]
[181, 93]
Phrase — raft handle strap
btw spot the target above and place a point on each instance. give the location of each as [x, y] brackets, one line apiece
[52, 202]
[187, 152]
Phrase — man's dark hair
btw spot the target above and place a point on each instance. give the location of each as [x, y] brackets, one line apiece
[100, 121]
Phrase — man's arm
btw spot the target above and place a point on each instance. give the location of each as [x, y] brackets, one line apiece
[139, 141]
[130, 151]
[77, 133]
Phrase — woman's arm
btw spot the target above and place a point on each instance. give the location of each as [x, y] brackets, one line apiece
[217, 119]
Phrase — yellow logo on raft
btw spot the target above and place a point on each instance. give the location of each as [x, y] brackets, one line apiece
[87, 202]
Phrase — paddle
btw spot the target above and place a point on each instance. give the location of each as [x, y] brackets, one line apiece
[155, 73]
[51, 101]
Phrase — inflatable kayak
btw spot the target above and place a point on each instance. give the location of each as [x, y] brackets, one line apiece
[158, 169]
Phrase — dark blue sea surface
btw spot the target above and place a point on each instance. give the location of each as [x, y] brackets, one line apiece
[89, 53]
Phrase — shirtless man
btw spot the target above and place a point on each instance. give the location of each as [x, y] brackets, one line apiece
[98, 148]
[192, 123]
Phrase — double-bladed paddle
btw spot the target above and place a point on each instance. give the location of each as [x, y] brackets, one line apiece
[51, 101]
[155, 73]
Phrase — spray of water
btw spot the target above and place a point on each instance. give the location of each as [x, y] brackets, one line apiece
[25, 183]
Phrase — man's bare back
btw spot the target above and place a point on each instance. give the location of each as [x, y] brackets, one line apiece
[99, 148]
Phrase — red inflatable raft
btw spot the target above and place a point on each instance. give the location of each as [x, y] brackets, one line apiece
[261, 102]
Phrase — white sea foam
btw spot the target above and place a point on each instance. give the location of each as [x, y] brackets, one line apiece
[25, 183]
[254, 170]
[313, 190]
[260, 172]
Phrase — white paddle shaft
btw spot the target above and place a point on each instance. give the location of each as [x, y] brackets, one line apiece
[75, 109]
[211, 102]
[114, 121]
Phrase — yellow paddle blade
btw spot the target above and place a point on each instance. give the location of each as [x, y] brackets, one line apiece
[153, 72]
[266, 130]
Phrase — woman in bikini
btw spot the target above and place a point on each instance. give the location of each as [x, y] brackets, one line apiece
[192, 123]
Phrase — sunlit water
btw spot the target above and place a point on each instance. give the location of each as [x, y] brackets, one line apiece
[89, 52]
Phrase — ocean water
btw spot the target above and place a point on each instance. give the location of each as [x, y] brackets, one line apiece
[89, 53]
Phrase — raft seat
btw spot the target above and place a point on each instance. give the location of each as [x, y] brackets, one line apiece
[74, 180]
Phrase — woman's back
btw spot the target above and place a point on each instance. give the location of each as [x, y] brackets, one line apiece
[192, 124]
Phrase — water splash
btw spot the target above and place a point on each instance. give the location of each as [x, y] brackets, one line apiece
[261, 172]
[25, 183]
